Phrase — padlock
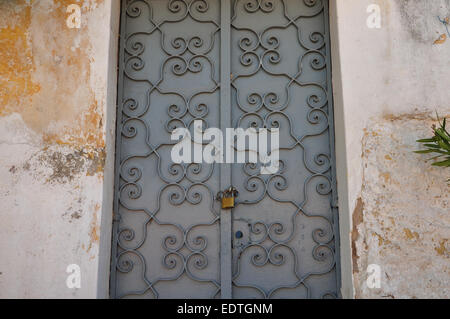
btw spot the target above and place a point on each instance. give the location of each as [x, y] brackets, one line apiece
[227, 202]
[227, 197]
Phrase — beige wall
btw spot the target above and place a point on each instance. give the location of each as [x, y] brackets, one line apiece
[57, 109]
[54, 145]
[388, 84]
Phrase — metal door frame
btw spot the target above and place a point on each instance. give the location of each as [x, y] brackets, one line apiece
[225, 121]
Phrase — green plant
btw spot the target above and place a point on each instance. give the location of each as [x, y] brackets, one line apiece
[438, 144]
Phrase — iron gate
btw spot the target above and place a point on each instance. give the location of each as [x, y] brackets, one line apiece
[228, 63]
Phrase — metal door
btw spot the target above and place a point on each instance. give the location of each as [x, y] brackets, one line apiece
[228, 63]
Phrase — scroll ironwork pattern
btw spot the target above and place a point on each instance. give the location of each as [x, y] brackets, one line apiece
[159, 63]
[296, 100]
[167, 223]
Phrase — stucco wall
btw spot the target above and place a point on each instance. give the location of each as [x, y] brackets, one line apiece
[389, 82]
[54, 134]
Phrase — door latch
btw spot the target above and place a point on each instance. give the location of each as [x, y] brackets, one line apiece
[227, 197]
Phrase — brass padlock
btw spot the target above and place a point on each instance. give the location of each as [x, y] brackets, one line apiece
[227, 197]
[227, 202]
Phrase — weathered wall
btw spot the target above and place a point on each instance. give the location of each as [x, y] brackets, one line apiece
[55, 142]
[402, 222]
[388, 84]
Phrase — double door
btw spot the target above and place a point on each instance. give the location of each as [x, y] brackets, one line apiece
[228, 64]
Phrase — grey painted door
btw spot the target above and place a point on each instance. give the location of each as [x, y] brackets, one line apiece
[241, 63]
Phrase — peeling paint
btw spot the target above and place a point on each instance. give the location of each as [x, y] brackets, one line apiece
[47, 79]
[410, 234]
[401, 218]
[66, 164]
[419, 18]
[442, 249]
[358, 219]
[53, 97]
[441, 39]
[94, 229]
